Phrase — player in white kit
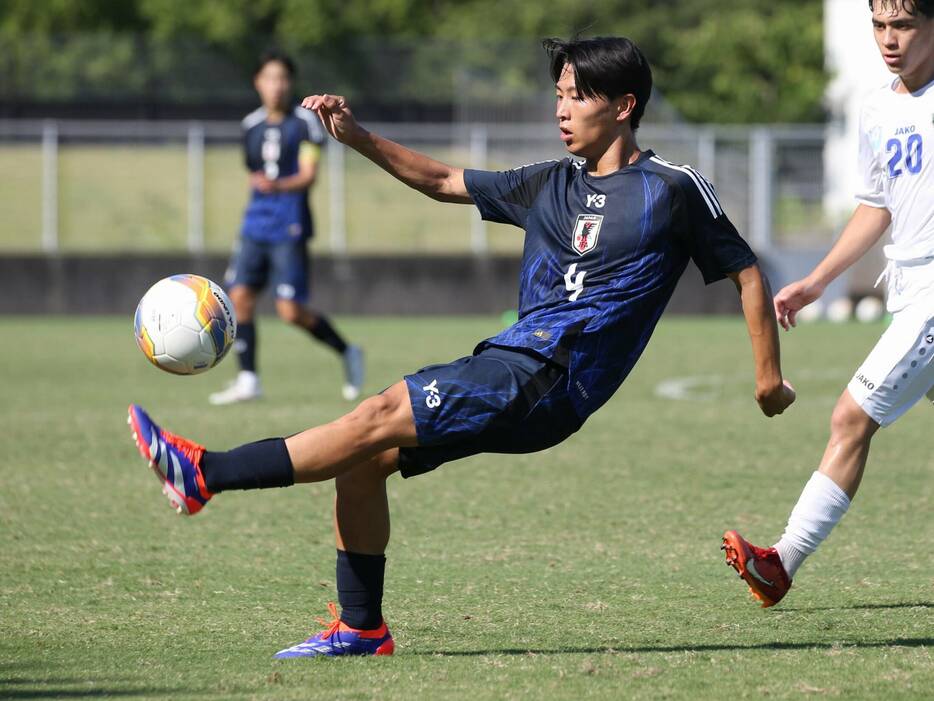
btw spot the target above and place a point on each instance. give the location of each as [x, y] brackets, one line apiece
[896, 162]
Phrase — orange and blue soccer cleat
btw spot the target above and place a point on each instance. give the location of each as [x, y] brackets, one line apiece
[761, 568]
[340, 639]
[175, 460]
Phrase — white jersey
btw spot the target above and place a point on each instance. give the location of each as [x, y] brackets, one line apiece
[896, 163]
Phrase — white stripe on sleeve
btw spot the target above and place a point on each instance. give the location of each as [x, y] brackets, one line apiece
[703, 185]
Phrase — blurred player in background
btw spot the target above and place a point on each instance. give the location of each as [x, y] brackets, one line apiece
[282, 146]
[608, 235]
[896, 162]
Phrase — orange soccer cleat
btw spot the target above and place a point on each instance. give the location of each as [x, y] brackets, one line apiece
[761, 568]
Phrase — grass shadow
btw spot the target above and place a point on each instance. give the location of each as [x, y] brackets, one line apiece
[612, 649]
[856, 607]
[53, 690]
[23, 686]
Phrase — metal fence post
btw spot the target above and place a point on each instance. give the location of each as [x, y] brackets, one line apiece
[336, 202]
[478, 160]
[50, 186]
[196, 187]
[707, 154]
[761, 179]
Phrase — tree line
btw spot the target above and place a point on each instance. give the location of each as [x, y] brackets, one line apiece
[743, 62]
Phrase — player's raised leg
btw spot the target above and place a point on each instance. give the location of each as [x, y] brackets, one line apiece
[361, 526]
[380, 423]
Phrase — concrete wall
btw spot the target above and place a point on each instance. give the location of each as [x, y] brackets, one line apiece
[359, 285]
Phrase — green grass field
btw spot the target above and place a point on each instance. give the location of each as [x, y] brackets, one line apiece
[588, 571]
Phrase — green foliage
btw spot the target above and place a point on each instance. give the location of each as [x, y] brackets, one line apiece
[755, 61]
[759, 62]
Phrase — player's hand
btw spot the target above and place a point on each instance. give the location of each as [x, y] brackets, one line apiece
[775, 400]
[259, 181]
[335, 115]
[793, 298]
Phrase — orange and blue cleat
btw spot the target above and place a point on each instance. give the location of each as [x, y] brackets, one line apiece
[174, 460]
[340, 639]
[761, 568]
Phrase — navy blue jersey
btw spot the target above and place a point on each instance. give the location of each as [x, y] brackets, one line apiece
[602, 257]
[274, 149]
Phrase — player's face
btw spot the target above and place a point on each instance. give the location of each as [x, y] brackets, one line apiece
[273, 85]
[588, 125]
[905, 40]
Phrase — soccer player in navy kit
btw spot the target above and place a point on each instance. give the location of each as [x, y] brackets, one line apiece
[607, 238]
[281, 146]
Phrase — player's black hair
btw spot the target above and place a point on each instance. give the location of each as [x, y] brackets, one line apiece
[923, 7]
[608, 67]
[270, 55]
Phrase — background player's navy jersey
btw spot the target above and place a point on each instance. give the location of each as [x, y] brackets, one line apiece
[602, 258]
[274, 150]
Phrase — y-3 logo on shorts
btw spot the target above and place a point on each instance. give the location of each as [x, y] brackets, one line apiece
[433, 400]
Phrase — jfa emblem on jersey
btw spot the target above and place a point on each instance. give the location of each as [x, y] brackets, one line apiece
[586, 231]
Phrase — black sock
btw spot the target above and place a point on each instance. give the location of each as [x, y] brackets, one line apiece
[245, 346]
[324, 332]
[252, 466]
[360, 589]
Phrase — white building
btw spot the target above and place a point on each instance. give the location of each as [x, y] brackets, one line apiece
[854, 63]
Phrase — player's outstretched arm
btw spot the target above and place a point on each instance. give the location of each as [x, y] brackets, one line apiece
[861, 233]
[773, 394]
[435, 179]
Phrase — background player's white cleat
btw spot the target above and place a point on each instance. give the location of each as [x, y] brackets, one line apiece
[243, 389]
[353, 372]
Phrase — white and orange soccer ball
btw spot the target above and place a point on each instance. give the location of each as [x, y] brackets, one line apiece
[185, 324]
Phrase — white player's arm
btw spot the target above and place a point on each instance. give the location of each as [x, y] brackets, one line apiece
[437, 180]
[862, 232]
[772, 393]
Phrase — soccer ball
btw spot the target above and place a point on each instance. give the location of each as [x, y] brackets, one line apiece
[870, 309]
[840, 310]
[185, 324]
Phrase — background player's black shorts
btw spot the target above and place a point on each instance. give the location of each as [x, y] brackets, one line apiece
[283, 265]
[496, 401]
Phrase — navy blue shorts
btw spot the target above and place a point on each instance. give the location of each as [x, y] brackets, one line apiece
[496, 401]
[283, 265]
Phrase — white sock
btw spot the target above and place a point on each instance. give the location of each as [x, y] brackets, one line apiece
[247, 377]
[819, 508]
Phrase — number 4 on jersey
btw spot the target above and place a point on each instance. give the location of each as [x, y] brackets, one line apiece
[574, 282]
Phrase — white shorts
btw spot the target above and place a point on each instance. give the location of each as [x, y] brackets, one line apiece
[900, 369]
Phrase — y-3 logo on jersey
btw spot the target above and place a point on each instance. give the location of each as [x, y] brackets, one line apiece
[433, 400]
[597, 201]
[586, 231]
